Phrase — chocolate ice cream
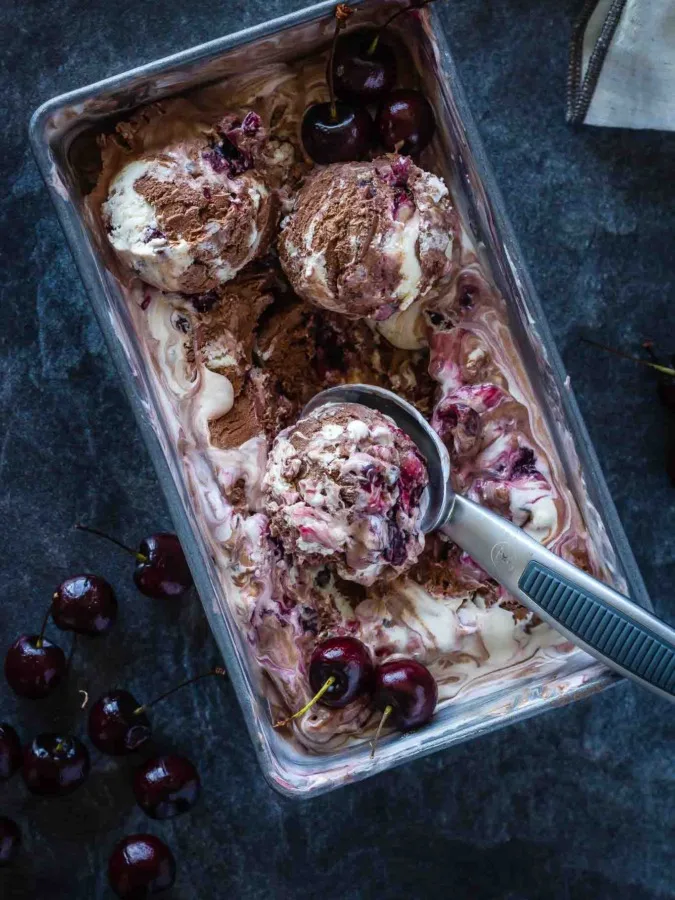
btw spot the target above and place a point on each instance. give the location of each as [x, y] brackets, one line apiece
[343, 487]
[368, 239]
[189, 217]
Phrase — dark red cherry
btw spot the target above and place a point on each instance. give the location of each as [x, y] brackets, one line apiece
[118, 724]
[161, 568]
[10, 751]
[163, 571]
[55, 764]
[340, 670]
[34, 666]
[336, 135]
[10, 840]
[364, 70]
[405, 122]
[348, 662]
[139, 866]
[166, 786]
[408, 690]
[85, 604]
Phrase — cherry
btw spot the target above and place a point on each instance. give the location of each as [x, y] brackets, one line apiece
[10, 840]
[54, 764]
[364, 69]
[347, 661]
[406, 692]
[85, 604]
[34, 666]
[161, 568]
[10, 751]
[118, 723]
[166, 786]
[405, 122]
[141, 865]
[340, 670]
[336, 132]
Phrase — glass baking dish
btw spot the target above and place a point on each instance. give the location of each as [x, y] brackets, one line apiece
[61, 133]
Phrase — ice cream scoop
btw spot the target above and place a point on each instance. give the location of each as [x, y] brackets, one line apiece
[367, 239]
[343, 488]
[190, 217]
[606, 624]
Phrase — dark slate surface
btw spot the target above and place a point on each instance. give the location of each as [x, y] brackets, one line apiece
[575, 804]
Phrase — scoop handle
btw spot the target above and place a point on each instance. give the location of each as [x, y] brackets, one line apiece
[603, 622]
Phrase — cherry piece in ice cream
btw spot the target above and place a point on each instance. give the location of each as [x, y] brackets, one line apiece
[141, 865]
[405, 122]
[85, 604]
[340, 670]
[406, 692]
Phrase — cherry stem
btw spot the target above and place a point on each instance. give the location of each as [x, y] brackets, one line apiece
[388, 710]
[373, 44]
[643, 362]
[41, 637]
[342, 13]
[315, 699]
[217, 671]
[139, 556]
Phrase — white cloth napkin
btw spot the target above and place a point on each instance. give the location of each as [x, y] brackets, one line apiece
[622, 66]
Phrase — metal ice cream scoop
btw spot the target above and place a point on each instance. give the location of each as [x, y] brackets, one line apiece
[603, 622]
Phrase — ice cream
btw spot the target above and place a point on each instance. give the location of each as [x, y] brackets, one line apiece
[369, 239]
[343, 488]
[232, 366]
[189, 217]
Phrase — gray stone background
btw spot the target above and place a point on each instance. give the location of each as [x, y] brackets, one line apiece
[575, 804]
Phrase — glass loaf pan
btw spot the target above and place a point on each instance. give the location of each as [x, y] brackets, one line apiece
[54, 129]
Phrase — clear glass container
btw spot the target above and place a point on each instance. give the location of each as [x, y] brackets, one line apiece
[62, 129]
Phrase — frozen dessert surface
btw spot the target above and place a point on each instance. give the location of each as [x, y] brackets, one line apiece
[369, 239]
[190, 216]
[343, 488]
[312, 522]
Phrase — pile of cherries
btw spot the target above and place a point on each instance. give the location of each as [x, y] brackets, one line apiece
[56, 764]
[341, 670]
[362, 72]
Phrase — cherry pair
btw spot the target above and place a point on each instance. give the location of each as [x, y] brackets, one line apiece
[341, 670]
[362, 70]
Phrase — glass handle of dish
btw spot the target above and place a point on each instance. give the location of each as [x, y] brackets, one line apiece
[591, 614]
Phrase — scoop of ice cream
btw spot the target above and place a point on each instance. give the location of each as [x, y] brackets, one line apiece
[343, 487]
[368, 239]
[190, 217]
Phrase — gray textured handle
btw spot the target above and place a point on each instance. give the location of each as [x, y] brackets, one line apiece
[593, 615]
[633, 647]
